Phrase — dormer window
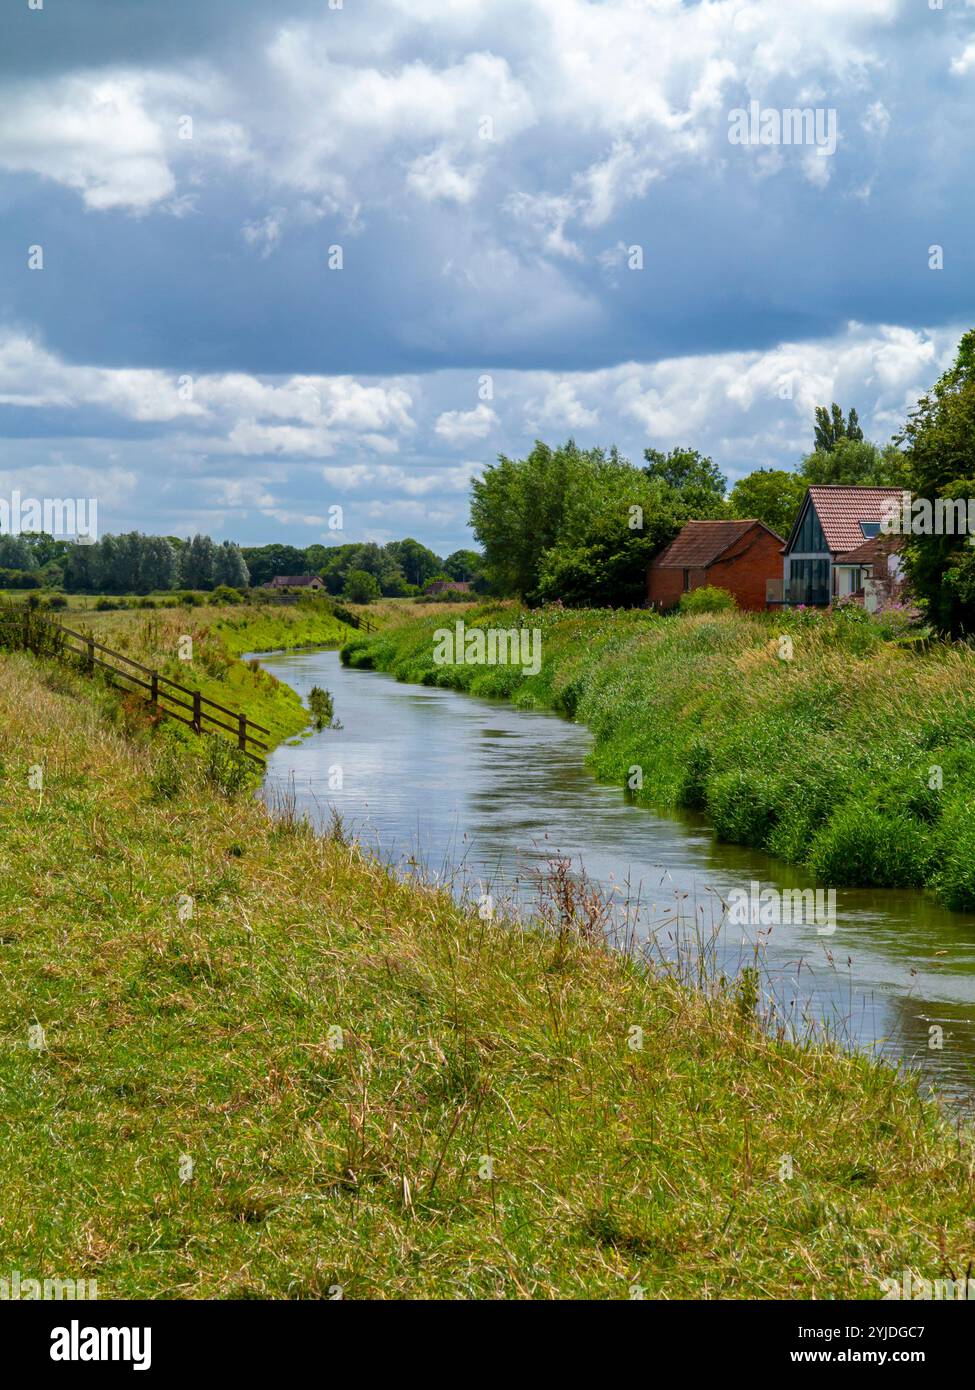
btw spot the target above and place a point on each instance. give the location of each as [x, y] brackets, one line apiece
[870, 529]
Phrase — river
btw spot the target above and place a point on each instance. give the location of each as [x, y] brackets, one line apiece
[481, 796]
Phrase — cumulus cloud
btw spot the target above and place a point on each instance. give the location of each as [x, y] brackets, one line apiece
[460, 426]
[95, 135]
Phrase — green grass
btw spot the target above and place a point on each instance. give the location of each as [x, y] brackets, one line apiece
[824, 759]
[363, 1165]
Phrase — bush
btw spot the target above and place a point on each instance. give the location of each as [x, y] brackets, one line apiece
[360, 587]
[190, 599]
[223, 593]
[56, 601]
[743, 806]
[106, 605]
[954, 882]
[860, 847]
[225, 767]
[708, 599]
[322, 707]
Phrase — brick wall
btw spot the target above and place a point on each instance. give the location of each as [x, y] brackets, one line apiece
[742, 570]
[665, 586]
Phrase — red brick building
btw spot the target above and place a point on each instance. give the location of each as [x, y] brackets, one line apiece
[740, 556]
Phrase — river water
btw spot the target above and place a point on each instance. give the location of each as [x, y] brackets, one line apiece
[482, 797]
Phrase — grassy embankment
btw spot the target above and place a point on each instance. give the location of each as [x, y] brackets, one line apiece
[826, 759]
[219, 636]
[359, 1159]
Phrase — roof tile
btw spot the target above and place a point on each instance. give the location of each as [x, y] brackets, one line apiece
[841, 509]
[700, 543]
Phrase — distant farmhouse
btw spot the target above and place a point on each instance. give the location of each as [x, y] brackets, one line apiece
[836, 550]
[740, 556]
[448, 586]
[294, 581]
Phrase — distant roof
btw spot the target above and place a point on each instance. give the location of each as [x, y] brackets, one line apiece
[294, 581]
[700, 543]
[874, 549]
[841, 509]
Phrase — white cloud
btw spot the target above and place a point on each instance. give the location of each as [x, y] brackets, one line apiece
[561, 409]
[459, 426]
[965, 62]
[91, 134]
[436, 179]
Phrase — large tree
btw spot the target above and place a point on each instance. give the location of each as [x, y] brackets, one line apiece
[417, 562]
[552, 522]
[696, 479]
[854, 463]
[770, 494]
[940, 455]
[831, 427]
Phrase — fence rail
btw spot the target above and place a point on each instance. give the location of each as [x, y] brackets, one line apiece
[159, 697]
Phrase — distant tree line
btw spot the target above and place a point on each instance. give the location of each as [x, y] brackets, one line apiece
[140, 564]
[126, 564]
[397, 570]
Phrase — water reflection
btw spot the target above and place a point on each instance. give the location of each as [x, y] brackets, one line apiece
[481, 796]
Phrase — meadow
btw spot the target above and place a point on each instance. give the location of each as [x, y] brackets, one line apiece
[241, 1060]
[849, 748]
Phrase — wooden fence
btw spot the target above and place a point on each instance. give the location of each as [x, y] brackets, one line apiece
[158, 689]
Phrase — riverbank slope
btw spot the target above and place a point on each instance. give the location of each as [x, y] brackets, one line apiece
[819, 738]
[243, 1061]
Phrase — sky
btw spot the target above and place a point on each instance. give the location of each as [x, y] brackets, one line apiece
[264, 258]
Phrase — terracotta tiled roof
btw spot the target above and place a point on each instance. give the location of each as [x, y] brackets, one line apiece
[700, 543]
[841, 509]
[877, 548]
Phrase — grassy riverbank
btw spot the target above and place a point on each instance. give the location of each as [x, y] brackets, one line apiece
[830, 758]
[218, 636]
[480, 1126]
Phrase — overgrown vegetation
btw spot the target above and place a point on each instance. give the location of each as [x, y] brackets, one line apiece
[242, 1061]
[854, 756]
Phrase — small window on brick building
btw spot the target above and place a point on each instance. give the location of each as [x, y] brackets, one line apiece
[687, 581]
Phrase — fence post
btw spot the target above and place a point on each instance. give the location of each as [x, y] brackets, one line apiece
[197, 713]
[91, 656]
[242, 732]
[27, 630]
[154, 693]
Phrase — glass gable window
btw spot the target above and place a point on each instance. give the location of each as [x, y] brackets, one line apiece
[809, 581]
[870, 528]
[809, 537]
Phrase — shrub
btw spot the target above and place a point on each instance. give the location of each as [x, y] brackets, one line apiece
[321, 706]
[56, 601]
[360, 587]
[708, 599]
[954, 882]
[106, 605]
[190, 599]
[223, 593]
[224, 766]
[861, 847]
[743, 807]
